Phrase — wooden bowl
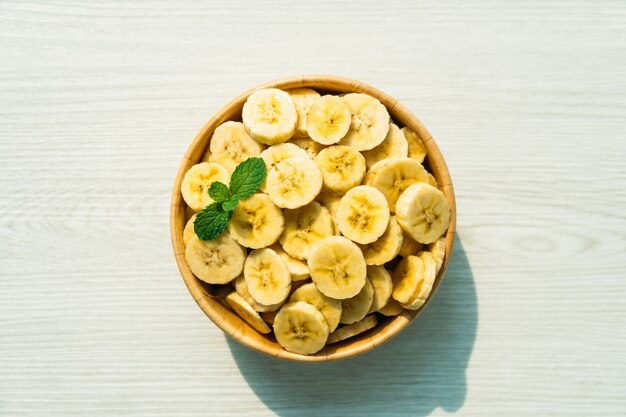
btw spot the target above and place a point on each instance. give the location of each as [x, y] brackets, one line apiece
[206, 295]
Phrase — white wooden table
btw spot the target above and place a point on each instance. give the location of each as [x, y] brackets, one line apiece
[99, 100]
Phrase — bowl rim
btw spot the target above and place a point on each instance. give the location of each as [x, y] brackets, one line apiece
[211, 305]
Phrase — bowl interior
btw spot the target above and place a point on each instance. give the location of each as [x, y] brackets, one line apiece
[207, 296]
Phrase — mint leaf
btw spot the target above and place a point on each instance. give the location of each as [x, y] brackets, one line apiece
[229, 205]
[247, 178]
[219, 192]
[211, 221]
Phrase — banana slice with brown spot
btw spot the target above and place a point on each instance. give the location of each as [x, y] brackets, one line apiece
[342, 168]
[329, 307]
[328, 120]
[242, 289]
[395, 145]
[293, 182]
[300, 328]
[429, 273]
[423, 212]
[382, 286]
[337, 267]
[369, 124]
[217, 261]
[256, 222]
[363, 214]
[386, 247]
[267, 277]
[396, 176]
[417, 150]
[247, 313]
[269, 116]
[230, 145]
[303, 98]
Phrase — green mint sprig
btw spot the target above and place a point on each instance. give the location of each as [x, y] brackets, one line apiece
[244, 182]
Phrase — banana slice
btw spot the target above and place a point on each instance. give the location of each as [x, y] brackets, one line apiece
[242, 289]
[368, 179]
[303, 98]
[256, 222]
[351, 330]
[342, 168]
[363, 214]
[304, 227]
[206, 157]
[247, 313]
[426, 284]
[311, 147]
[331, 202]
[355, 308]
[417, 150]
[269, 116]
[432, 181]
[196, 183]
[231, 145]
[386, 247]
[217, 261]
[329, 307]
[408, 278]
[337, 267]
[394, 146]
[438, 250]
[409, 245]
[382, 285]
[300, 328]
[392, 308]
[370, 122]
[298, 269]
[328, 120]
[267, 277]
[396, 176]
[188, 231]
[294, 182]
[423, 212]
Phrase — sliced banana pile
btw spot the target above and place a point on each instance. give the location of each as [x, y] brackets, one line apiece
[347, 228]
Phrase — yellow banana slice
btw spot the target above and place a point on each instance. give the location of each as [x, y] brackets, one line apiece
[256, 222]
[328, 120]
[300, 328]
[242, 289]
[196, 183]
[423, 212]
[303, 98]
[337, 267]
[426, 284]
[355, 308]
[363, 214]
[392, 308]
[396, 176]
[188, 231]
[386, 247]
[247, 313]
[230, 145]
[304, 227]
[269, 116]
[438, 250]
[370, 122]
[417, 150]
[311, 147]
[408, 278]
[217, 261]
[276, 153]
[342, 168]
[394, 146]
[267, 277]
[409, 245]
[329, 307]
[294, 182]
[351, 330]
[382, 286]
[298, 269]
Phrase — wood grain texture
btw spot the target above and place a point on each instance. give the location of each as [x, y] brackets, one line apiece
[100, 100]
